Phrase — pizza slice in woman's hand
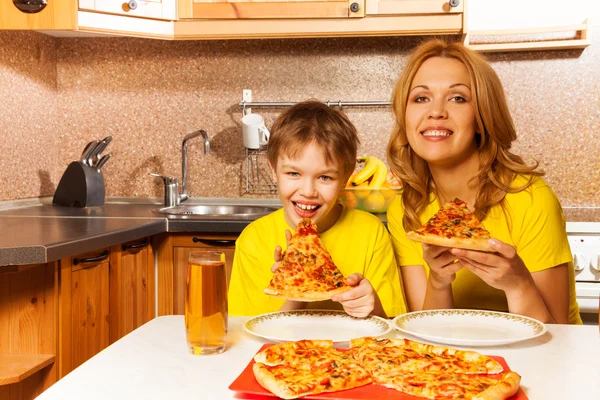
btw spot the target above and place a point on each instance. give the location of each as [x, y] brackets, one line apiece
[454, 225]
[307, 271]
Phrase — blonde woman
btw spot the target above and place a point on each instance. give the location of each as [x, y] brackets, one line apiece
[452, 139]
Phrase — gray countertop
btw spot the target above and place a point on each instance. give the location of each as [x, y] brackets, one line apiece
[35, 231]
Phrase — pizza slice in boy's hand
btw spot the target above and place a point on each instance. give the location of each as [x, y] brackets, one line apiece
[454, 225]
[307, 272]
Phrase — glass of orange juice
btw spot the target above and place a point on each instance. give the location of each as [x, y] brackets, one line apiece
[206, 302]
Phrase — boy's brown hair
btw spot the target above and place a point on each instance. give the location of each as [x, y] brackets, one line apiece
[313, 121]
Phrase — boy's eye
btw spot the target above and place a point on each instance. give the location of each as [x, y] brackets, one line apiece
[292, 174]
[326, 178]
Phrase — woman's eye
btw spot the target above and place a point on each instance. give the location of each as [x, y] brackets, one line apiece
[420, 99]
[458, 99]
[292, 174]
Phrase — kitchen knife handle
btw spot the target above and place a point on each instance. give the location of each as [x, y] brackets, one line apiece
[136, 245]
[214, 242]
[101, 257]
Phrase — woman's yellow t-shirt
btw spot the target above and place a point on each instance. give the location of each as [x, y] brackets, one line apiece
[532, 220]
[357, 242]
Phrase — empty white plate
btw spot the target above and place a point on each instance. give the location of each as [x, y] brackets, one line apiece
[469, 327]
[284, 326]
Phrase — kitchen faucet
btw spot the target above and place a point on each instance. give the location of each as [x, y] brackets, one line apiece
[172, 196]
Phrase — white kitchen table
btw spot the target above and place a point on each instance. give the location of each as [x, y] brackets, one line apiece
[153, 362]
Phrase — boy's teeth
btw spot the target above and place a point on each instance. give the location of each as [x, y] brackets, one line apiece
[306, 206]
[436, 133]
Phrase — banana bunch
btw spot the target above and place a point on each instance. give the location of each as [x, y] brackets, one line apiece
[373, 173]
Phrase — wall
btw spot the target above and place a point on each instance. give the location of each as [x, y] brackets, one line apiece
[148, 94]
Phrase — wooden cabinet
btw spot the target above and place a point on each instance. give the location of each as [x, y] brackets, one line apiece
[156, 9]
[28, 331]
[131, 287]
[84, 312]
[244, 9]
[58, 14]
[172, 253]
[399, 7]
[104, 295]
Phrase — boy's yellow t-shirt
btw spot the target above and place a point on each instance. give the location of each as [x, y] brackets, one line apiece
[357, 242]
[534, 223]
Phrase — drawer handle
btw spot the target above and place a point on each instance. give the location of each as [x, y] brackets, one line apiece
[136, 245]
[214, 242]
[101, 257]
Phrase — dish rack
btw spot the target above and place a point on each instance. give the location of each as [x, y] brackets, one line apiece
[259, 178]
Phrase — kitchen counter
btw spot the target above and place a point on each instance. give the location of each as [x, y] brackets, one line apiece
[153, 362]
[36, 231]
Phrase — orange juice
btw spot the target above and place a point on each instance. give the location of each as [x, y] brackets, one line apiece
[206, 303]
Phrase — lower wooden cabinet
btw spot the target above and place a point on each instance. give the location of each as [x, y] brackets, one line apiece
[104, 295]
[28, 330]
[173, 251]
[131, 287]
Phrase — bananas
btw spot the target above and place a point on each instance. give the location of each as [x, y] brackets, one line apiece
[374, 172]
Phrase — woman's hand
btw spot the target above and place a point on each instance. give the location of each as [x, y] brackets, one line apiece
[503, 270]
[443, 265]
[361, 300]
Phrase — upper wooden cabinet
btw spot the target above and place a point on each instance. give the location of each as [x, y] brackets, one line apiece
[58, 14]
[398, 7]
[157, 9]
[244, 9]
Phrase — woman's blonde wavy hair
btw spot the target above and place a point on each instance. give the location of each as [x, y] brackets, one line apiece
[498, 165]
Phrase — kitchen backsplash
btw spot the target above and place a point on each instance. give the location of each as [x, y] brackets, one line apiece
[56, 94]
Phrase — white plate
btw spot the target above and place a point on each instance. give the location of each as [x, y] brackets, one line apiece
[469, 327]
[285, 326]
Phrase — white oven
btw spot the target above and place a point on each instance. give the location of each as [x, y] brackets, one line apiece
[584, 239]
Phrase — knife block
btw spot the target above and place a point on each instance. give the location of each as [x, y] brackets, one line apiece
[80, 186]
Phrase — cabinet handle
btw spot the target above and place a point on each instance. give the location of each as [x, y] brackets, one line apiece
[454, 3]
[136, 245]
[101, 257]
[214, 242]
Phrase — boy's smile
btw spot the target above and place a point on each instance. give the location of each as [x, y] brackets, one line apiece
[308, 186]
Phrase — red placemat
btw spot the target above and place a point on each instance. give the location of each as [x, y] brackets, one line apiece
[247, 387]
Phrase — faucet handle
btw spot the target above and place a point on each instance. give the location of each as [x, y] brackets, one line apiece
[168, 180]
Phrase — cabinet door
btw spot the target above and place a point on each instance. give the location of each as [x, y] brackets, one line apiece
[244, 9]
[83, 310]
[172, 254]
[131, 287]
[90, 308]
[58, 14]
[156, 9]
[399, 7]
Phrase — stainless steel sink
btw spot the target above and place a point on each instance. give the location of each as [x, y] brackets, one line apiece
[217, 211]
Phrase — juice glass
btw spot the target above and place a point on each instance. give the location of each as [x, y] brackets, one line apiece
[206, 302]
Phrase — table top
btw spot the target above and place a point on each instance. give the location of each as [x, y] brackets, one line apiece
[153, 362]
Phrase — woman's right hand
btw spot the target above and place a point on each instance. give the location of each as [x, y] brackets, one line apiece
[443, 265]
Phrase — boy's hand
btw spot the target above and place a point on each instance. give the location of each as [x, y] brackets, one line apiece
[359, 301]
[278, 251]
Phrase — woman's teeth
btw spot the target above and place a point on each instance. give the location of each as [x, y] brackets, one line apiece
[437, 133]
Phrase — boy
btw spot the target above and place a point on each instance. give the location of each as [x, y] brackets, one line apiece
[312, 152]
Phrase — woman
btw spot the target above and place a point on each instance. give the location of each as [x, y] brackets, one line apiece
[452, 139]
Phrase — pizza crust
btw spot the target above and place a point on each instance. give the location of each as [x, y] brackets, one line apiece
[297, 295]
[457, 243]
[267, 380]
[507, 386]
